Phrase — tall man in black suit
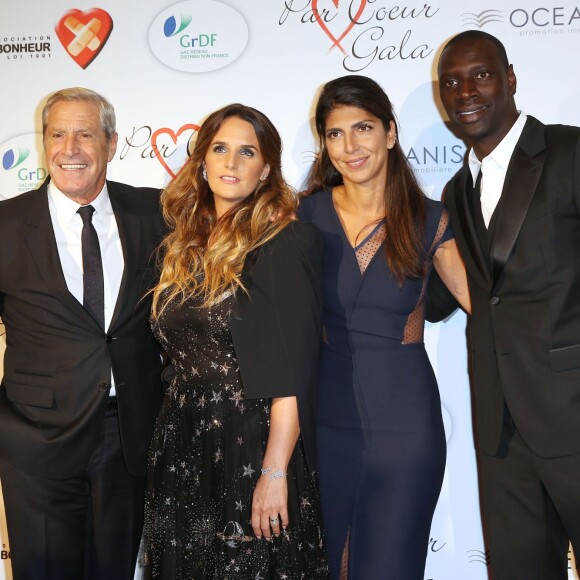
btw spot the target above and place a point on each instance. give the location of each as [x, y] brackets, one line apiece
[518, 230]
[81, 384]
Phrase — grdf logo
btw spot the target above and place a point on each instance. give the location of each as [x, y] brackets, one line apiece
[23, 165]
[171, 27]
[10, 160]
[199, 36]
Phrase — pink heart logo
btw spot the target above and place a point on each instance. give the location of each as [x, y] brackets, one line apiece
[174, 137]
[353, 20]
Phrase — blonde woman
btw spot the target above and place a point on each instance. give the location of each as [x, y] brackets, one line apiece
[232, 491]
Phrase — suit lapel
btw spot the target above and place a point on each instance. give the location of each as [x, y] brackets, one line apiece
[243, 297]
[521, 181]
[467, 229]
[39, 235]
[131, 236]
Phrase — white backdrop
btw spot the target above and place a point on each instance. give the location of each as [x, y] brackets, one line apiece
[166, 65]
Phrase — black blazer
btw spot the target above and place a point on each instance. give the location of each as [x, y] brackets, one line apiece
[57, 365]
[276, 329]
[524, 332]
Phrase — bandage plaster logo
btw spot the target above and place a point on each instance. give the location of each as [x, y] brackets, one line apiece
[84, 34]
[198, 36]
[23, 166]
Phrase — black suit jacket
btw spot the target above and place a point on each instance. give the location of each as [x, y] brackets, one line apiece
[57, 365]
[276, 329]
[524, 331]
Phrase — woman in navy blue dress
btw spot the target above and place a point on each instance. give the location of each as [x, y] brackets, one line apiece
[380, 436]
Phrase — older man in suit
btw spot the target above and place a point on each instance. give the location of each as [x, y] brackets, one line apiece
[515, 211]
[81, 382]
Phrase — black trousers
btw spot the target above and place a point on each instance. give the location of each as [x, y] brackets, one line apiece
[531, 510]
[84, 527]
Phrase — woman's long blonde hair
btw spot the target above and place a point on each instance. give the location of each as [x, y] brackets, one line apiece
[202, 255]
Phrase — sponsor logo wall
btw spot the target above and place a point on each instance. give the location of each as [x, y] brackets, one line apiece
[166, 65]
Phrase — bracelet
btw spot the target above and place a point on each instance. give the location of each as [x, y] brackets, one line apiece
[274, 474]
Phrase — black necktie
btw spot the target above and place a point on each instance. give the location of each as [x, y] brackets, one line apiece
[93, 284]
[480, 226]
[477, 186]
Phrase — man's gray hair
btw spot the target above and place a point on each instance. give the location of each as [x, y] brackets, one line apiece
[106, 111]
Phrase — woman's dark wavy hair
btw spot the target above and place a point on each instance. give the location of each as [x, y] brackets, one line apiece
[404, 201]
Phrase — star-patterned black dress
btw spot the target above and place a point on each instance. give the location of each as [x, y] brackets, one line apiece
[204, 463]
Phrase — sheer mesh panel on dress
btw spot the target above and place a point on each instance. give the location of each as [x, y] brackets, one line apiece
[344, 560]
[366, 251]
[415, 326]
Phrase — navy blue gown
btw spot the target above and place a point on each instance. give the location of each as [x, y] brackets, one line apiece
[380, 436]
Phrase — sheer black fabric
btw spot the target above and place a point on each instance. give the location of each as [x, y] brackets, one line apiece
[205, 459]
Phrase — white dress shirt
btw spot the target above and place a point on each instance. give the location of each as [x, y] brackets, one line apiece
[494, 168]
[68, 225]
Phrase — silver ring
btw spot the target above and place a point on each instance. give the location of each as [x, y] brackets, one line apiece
[274, 521]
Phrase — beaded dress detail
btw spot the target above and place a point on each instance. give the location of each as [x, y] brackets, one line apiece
[204, 463]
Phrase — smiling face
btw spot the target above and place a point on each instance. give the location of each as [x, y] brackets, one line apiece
[477, 89]
[77, 150]
[234, 164]
[357, 145]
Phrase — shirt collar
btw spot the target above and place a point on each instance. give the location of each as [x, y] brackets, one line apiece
[502, 153]
[67, 208]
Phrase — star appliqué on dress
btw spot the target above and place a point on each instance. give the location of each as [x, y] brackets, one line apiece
[237, 396]
[248, 470]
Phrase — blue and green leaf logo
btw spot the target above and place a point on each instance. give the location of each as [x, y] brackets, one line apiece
[10, 160]
[172, 26]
